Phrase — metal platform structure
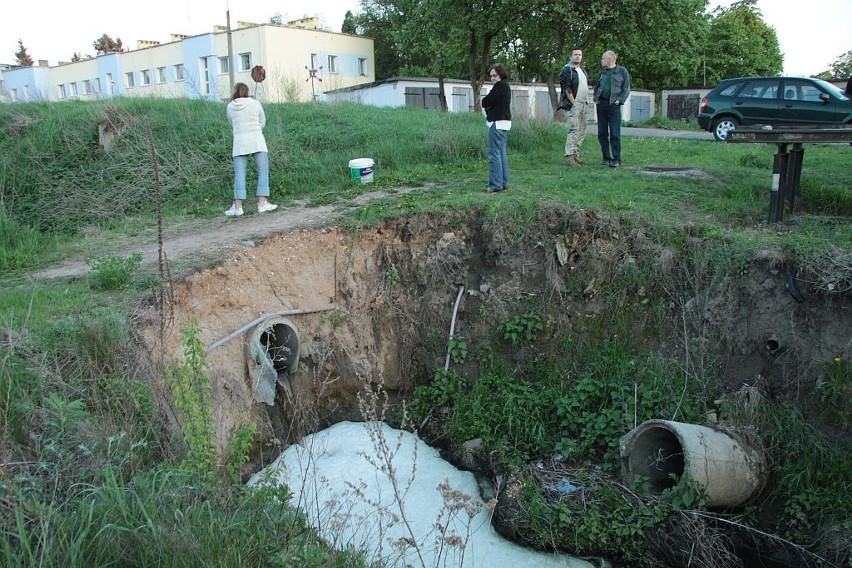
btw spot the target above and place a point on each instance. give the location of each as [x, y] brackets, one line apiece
[787, 169]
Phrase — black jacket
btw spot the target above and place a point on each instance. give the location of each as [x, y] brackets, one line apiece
[569, 82]
[498, 102]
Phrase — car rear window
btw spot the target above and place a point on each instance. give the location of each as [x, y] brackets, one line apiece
[729, 90]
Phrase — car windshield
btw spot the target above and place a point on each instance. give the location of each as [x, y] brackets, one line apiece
[833, 89]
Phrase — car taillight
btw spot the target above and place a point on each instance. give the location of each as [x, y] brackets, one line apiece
[704, 102]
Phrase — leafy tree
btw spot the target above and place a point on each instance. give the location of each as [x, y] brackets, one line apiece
[381, 20]
[277, 19]
[472, 34]
[740, 43]
[545, 40]
[431, 47]
[485, 28]
[23, 58]
[105, 44]
[840, 70]
[349, 24]
[659, 41]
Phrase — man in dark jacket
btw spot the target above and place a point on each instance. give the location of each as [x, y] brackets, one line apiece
[611, 91]
[574, 83]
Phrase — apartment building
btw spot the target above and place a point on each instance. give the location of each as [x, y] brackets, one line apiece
[300, 63]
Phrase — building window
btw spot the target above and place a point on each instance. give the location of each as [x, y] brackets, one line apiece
[129, 80]
[73, 89]
[204, 71]
[332, 64]
[245, 61]
[224, 66]
[161, 74]
[362, 66]
[96, 85]
[314, 61]
[110, 84]
[60, 91]
[179, 75]
[87, 87]
[13, 95]
[146, 76]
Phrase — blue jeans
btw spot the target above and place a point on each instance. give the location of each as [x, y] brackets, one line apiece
[498, 158]
[609, 130]
[261, 160]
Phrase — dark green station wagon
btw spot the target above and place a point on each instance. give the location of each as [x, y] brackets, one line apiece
[776, 101]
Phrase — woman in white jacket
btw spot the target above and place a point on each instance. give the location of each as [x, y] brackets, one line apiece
[247, 121]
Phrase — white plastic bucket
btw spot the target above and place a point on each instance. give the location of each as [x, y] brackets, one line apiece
[361, 170]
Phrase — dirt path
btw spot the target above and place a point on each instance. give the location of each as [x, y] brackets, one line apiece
[220, 236]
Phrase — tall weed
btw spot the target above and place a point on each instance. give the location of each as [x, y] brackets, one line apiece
[20, 246]
[192, 394]
[612, 392]
[810, 474]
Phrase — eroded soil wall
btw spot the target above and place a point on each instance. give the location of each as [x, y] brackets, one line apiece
[394, 287]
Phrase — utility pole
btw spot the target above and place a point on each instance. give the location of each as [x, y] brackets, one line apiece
[230, 47]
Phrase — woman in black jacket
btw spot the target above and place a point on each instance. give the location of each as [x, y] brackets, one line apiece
[498, 118]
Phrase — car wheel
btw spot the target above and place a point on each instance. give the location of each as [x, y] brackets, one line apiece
[721, 127]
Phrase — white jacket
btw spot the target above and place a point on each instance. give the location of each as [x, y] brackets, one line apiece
[247, 120]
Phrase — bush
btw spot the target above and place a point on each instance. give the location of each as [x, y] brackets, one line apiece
[114, 272]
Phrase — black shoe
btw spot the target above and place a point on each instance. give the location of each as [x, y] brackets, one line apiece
[494, 189]
[615, 164]
[607, 162]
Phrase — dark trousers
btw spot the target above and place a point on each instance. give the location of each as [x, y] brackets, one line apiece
[609, 130]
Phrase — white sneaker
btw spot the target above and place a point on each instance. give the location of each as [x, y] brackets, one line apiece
[266, 207]
[234, 211]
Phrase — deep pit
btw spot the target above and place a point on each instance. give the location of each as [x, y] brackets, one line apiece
[375, 307]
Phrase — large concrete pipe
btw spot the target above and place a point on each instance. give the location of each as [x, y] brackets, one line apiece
[730, 472]
[272, 355]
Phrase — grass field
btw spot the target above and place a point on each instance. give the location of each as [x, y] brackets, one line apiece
[85, 456]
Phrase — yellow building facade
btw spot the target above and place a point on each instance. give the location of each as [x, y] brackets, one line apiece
[299, 63]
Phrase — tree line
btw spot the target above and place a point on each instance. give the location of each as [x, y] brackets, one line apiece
[662, 42]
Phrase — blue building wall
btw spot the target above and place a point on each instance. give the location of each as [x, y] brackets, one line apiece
[200, 82]
[111, 75]
[32, 82]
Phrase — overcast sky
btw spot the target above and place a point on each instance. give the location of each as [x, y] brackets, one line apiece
[812, 33]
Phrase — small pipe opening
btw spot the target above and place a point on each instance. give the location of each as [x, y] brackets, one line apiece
[772, 345]
[282, 344]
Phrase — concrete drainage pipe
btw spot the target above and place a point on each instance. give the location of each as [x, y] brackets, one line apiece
[730, 472]
[272, 355]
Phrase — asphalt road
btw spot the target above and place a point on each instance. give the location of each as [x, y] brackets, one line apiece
[656, 133]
